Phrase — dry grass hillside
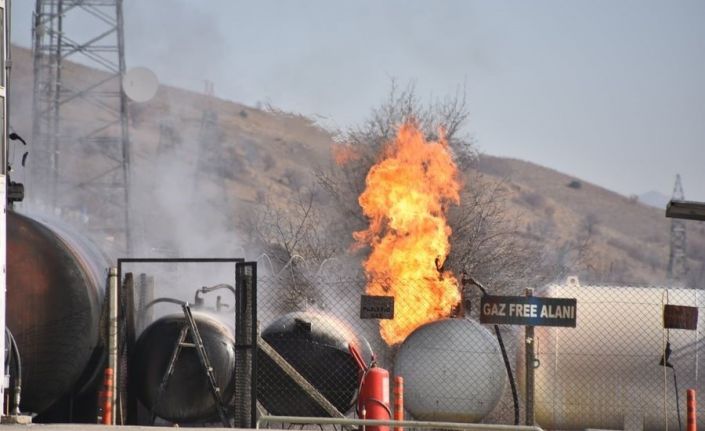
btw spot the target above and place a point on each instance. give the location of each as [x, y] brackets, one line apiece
[264, 154]
[628, 241]
[266, 149]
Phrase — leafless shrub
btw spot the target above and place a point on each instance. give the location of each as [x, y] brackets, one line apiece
[532, 199]
[287, 229]
[487, 242]
[293, 234]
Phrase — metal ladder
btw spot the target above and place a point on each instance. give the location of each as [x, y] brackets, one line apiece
[197, 343]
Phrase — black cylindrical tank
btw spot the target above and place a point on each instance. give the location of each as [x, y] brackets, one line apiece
[187, 397]
[54, 290]
[317, 346]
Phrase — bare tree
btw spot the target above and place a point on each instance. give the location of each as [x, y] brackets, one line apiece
[486, 241]
[289, 229]
[293, 234]
[363, 144]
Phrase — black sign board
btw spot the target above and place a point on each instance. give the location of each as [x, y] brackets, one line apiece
[528, 310]
[376, 307]
[680, 317]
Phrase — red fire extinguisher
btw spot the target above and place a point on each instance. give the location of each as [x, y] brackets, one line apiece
[373, 396]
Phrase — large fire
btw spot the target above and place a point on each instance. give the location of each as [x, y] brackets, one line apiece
[405, 198]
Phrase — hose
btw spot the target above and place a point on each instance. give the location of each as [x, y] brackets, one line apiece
[678, 407]
[507, 364]
[359, 390]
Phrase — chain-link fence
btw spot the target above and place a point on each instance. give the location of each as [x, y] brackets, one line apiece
[619, 368]
[605, 373]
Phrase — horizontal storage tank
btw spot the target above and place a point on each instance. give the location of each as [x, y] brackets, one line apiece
[55, 284]
[605, 373]
[453, 371]
[187, 397]
[317, 346]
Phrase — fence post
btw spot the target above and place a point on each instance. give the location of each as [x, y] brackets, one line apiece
[530, 359]
[246, 344]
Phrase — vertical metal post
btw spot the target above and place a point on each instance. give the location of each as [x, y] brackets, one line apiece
[245, 345]
[56, 143]
[530, 360]
[146, 295]
[124, 127]
[113, 333]
[3, 196]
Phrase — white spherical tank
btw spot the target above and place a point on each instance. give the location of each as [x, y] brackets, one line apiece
[452, 370]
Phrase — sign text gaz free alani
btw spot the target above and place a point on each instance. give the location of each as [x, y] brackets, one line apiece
[532, 310]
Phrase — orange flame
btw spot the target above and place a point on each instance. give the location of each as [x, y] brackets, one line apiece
[404, 199]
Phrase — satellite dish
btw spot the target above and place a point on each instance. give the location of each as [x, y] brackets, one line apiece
[140, 84]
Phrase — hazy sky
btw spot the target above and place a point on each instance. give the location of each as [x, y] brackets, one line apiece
[609, 91]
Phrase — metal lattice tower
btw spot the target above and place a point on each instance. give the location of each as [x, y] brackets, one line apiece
[81, 151]
[677, 259]
[211, 162]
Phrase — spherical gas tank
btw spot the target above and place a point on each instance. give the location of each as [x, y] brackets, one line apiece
[317, 346]
[187, 397]
[54, 289]
[453, 371]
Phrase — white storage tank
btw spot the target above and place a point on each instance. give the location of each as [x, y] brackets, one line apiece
[452, 370]
[605, 373]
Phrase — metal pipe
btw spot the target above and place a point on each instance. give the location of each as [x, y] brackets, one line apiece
[3, 200]
[113, 335]
[530, 361]
[393, 423]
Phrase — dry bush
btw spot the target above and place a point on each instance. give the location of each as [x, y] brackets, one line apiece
[345, 182]
[486, 242]
[284, 230]
[295, 236]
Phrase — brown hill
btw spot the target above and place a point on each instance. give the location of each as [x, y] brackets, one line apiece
[629, 241]
[265, 154]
